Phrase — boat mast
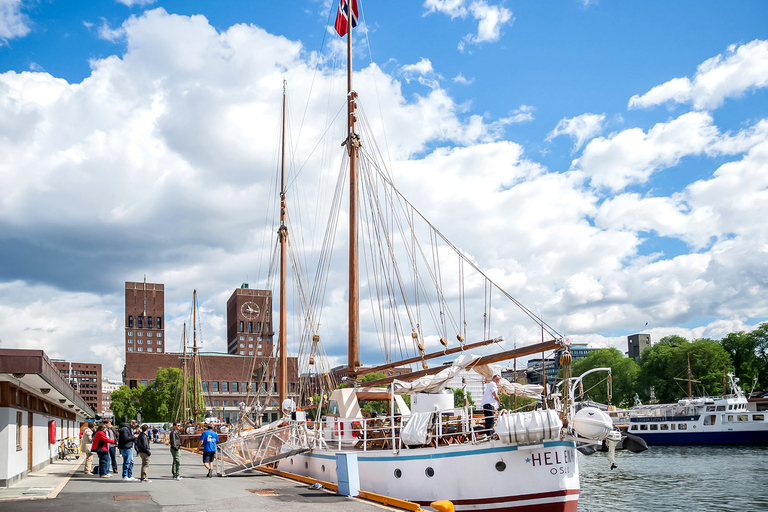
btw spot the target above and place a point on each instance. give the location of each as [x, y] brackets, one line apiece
[353, 144]
[184, 407]
[282, 234]
[195, 369]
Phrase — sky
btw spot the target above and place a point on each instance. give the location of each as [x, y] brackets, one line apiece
[606, 162]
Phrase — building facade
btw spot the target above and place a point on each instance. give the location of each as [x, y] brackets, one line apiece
[144, 318]
[37, 406]
[636, 343]
[107, 387]
[249, 327]
[85, 378]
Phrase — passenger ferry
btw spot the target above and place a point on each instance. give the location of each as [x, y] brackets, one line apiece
[723, 420]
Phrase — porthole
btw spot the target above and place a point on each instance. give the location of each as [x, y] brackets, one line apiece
[322, 468]
[500, 466]
[429, 472]
[306, 465]
[398, 473]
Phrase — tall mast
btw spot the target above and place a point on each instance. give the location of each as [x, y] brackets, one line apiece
[282, 234]
[195, 369]
[184, 407]
[352, 147]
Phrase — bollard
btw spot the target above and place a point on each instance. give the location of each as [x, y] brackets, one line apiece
[442, 506]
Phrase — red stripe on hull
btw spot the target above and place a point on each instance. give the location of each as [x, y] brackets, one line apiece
[516, 503]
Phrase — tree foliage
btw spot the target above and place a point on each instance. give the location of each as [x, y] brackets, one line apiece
[157, 402]
[667, 360]
[458, 398]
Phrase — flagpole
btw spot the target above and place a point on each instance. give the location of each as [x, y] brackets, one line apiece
[352, 144]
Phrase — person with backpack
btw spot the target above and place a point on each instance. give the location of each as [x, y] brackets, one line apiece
[101, 446]
[142, 447]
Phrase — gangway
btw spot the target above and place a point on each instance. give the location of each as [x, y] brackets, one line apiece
[262, 447]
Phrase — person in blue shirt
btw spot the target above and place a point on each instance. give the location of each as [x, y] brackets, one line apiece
[208, 441]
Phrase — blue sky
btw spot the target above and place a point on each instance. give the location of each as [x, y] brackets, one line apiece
[621, 145]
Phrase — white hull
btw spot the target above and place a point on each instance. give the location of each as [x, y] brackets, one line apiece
[490, 476]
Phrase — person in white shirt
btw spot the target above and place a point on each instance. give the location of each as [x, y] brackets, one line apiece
[491, 403]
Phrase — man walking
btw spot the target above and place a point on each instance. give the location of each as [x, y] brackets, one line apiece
[208, 441]
[85, 447]
[142, 446]
[175, 444]
[125, 444]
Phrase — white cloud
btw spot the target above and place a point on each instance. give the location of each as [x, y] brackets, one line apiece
[13, 23]
[423, 72]
[453, 8]
[461, 79]
[108, 33]
[490, 18]
[137, 3]
[579, 129]
[742, 68]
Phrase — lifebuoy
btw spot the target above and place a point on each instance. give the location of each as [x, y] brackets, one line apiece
[52, 431]
[339, 428]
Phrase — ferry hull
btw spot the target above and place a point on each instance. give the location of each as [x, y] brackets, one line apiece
[489, 477]
[729, 438]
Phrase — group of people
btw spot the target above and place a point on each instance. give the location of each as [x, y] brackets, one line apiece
[105, 440]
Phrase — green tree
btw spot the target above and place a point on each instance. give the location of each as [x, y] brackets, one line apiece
[742, 348]
[760, 337]
[157, 402]
[624, 372]
[666, 361]
[458, 398]
[126, 402]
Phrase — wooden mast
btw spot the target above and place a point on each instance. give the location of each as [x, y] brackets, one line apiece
[195, 369]
[282, 234]
[184, 405]
[352, 146]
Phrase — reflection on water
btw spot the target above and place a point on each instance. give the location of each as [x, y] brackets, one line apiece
[690, 478]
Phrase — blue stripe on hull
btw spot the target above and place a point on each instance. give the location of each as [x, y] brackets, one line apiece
[759, 438]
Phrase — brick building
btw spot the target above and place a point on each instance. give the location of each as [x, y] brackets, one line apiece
[249, 327]
[144, 318]
[85, 378]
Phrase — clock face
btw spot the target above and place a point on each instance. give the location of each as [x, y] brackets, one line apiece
[250, 310]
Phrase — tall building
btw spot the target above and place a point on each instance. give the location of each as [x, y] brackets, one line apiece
[249, 327]
[636, 343]
[144, 318]
[85, 378]
[107, 387]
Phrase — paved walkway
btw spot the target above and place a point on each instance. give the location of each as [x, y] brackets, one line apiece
[63, 486]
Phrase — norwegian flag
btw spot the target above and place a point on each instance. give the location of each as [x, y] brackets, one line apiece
[341, 16]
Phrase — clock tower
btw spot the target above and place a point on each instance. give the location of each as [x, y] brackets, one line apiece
[145, 318]
[249, 322]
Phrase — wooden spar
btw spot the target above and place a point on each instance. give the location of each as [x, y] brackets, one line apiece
[363, 371]
[353, 354]
[282, 233]
[195, 369]
[493, 358]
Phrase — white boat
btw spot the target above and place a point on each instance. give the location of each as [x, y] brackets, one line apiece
[721, 420]
[435, 451]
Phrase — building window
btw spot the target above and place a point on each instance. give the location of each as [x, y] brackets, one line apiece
[250, 327]
[250, 338]
[215, 403]
[242, 345]
[149, 349]
[130, 340]
[291, 387]
[140, 320]
[141, 349]
[242, 352]
[242, 326]
[205, 385]
[159, 335]
[258, 326]
[130, 333]
[159, 323]
[149, 334]
[149, 342]
[149, 322]
[225, 403]
[143, 382]
[274, 387]
[266, 327]
[139, 334]
[140, 341]
[18, 430]
[242, 338]
[130, 349]
[258, 353]
[159, 342]
[215, 387]
[225, 387]
[259, 346]
[250, 353]
[250, 345]
[130, 320]
[234, 387]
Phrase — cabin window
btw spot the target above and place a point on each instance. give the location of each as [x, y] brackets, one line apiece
[682, 426]
[710, 419]
[654, 427]
[758, 417]
[720, 407]
[710, 408]
[742, 417]
[730, 417]
[643, 427]
[333, 407]
[634, 427]
[671, 426]
[663, 426]
[730, 407]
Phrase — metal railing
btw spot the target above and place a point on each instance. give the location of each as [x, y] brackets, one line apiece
[261, 448]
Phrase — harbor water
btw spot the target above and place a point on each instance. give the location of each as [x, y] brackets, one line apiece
[668, 478]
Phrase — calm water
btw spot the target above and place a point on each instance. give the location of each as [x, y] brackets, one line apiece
[670, 478]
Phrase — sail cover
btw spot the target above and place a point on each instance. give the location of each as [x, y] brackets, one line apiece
[438, 382]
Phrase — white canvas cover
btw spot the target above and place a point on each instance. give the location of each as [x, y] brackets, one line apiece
[415, 431]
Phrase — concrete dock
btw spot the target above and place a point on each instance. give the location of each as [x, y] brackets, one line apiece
[63, 486]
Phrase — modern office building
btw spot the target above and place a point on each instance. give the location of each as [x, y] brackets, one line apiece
[144, 318]
[85, 378]
[539, 372]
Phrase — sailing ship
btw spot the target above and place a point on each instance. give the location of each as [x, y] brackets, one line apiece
[429, 449]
